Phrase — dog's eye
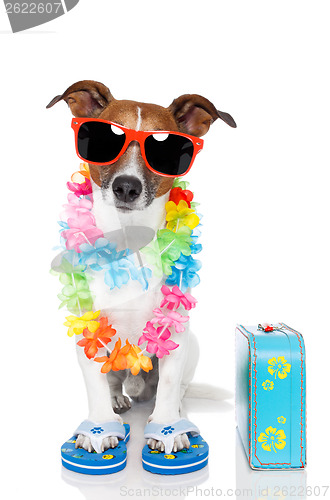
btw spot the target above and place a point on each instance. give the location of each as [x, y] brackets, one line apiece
[117, 130]
[160, 137]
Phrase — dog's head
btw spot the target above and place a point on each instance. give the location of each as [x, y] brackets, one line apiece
[128, 183]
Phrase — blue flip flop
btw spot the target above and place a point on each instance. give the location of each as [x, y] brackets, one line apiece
[179, 462]
[97, 463]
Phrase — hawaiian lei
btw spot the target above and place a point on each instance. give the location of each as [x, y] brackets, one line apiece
[171, 253]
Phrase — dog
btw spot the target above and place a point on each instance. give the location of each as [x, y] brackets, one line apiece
[128, 194]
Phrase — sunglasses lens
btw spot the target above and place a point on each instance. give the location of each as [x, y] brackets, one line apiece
[100, 142]
[169, 154]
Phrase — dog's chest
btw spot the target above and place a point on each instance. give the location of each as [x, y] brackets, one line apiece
[128, 308]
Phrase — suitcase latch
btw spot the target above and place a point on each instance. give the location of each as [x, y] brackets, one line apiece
[267, 327]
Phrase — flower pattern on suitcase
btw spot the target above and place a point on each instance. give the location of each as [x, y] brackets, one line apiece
[268, 385]
[279, 367]
[272, 439]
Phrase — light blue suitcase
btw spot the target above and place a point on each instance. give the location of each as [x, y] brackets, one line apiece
[271, 396]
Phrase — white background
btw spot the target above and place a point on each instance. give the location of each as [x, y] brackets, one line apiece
[264, 193]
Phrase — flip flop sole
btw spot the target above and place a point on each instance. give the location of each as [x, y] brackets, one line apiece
[180, 462]
[109, 462]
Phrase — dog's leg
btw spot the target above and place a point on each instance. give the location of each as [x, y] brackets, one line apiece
[120, 403]
[99, 401]
[167, 406]
[190, 365]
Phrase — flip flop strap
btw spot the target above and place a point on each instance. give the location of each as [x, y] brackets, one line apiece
[97, 432]
[167, 433]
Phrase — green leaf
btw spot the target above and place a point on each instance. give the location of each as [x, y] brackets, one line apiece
[69, 290]
[65, 279]
[181, 184]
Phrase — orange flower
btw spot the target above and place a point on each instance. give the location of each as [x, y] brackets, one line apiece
[82, 174]
[129, 356]
[136, 360]
[94, 341]
[125, 350]
[116, 361]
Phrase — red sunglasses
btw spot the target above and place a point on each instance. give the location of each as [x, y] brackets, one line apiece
[101, 142]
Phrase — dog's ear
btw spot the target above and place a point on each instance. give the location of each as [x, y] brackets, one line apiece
[194, 114]
[85, 99]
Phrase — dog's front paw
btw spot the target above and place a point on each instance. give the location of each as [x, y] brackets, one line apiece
[120, 403]
[181, 441]
[85, 443]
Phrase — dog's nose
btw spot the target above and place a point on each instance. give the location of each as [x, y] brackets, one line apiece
[127, 188]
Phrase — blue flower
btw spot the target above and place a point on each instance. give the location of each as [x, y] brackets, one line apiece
[64, 226]
[167, 430]
[97, 430]
[97, 256]
[195, 247]
[121, 268]
[142, 275]
[117, 273]
[184, 273]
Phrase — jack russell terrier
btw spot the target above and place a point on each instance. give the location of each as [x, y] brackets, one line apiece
[128, 193]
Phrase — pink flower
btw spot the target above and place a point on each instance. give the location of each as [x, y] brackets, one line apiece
[172, 318]
[80, 189]
[82, 229]
[76, 205]
[158, 342]
[174, 298]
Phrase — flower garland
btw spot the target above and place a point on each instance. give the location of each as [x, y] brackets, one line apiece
[85, 247]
